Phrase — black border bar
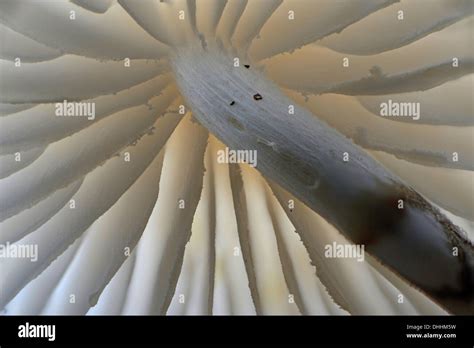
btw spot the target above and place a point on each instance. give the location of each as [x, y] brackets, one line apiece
[222, 330]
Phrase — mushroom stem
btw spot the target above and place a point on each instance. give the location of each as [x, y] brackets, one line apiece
[330, 175]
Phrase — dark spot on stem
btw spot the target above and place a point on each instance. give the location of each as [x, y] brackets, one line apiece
[257, 97]
[381, 217]
[236, 123]
[247, 66]
[232, 103]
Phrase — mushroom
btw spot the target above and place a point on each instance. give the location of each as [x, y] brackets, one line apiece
[128, 209]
